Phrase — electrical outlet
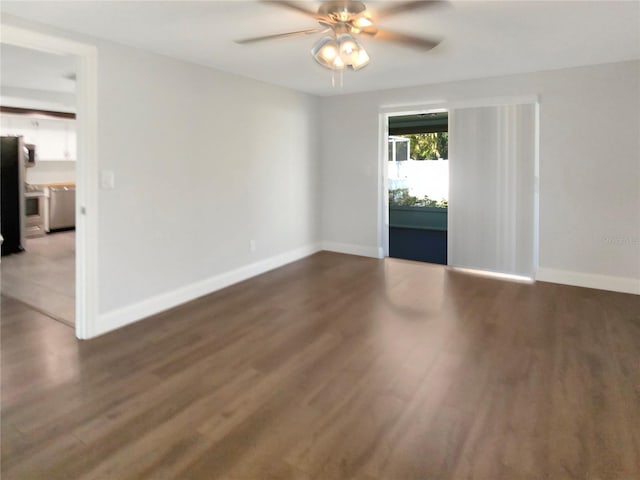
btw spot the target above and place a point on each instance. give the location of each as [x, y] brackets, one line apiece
[252, 245]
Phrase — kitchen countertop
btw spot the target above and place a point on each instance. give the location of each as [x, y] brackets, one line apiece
[59, 184]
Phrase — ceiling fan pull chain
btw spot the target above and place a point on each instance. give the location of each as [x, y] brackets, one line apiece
[340, 83]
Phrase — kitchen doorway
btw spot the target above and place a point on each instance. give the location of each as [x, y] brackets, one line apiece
[38, 116]
[68, 253]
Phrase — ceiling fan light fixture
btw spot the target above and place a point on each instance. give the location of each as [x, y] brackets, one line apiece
[362, 60]
[352, 52]
[326, 53]
[338, 53]
[349, 48]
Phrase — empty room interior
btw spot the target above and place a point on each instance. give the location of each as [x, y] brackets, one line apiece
[320, 240]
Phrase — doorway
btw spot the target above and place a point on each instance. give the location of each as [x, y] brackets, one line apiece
[37, 114]
[84, 252]
[492, 208]
[418, 183]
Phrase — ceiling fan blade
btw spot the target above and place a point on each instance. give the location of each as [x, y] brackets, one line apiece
[279, 35]
[294, 6]
[400, 7]
[421, 43]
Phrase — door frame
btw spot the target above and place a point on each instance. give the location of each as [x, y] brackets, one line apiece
[450, 106]
[86, 294]
[383, 160]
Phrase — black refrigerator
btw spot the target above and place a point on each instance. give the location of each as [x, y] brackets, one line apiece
[12, 178]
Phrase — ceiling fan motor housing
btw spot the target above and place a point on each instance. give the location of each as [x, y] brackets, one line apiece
[342, 10]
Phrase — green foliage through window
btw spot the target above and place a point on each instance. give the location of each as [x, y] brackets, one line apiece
[429, 146]
[400, 198]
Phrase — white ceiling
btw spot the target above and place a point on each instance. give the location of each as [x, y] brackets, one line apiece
[31, 69]
[34, 79]
[482, 39]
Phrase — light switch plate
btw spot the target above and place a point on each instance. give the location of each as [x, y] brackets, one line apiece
[107, 180]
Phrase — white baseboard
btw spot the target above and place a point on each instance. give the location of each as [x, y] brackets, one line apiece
[123, 316]
[351, 249]
[589, 280]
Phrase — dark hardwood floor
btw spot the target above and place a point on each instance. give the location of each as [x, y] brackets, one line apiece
[334, 367]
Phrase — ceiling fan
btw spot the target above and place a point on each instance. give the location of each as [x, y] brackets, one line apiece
[344, 21]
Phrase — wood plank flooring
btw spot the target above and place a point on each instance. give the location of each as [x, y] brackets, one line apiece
[334, 367]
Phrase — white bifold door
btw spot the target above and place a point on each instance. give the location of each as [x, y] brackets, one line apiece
[492, 197]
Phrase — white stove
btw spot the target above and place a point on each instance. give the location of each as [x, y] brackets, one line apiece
[35, 205]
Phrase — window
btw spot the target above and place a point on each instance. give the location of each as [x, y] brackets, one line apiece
[399, 148]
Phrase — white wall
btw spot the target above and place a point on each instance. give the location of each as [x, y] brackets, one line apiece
[589, 167]
[196, 154]
[52, 171]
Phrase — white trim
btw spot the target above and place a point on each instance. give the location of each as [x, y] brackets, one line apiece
[87, 166]
[589, 280]
[383, 184]
[383, 164]
[536, 192]
[351, 249]
[132, 313]
[413, 109]
[417, 108]
[451, 154]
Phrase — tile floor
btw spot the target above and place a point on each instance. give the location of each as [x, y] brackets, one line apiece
[43, 276]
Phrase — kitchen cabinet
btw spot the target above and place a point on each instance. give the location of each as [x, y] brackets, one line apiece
[12, 125]
[54, 138]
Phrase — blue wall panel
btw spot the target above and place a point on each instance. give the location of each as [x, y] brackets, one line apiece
[418, 244]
